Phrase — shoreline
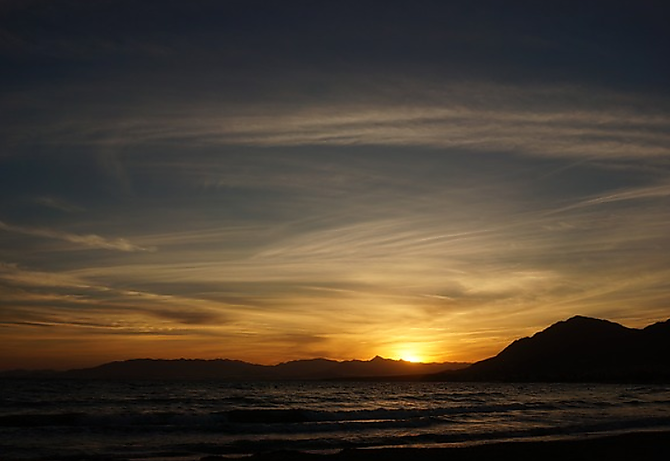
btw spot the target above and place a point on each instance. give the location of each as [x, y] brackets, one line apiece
[652, 445]
[646, 445]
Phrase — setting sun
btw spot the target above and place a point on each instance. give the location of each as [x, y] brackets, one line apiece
[410, 356]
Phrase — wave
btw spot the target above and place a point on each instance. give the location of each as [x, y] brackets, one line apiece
[288, 420]
[253, 415]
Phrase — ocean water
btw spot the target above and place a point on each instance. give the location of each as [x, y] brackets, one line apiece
[189, 420]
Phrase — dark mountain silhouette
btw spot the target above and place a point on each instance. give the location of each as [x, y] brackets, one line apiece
[580, 349]
[171, 370]
[235, 370]
[377, 367]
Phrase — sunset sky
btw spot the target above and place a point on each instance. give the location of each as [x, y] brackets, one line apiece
[275, 180]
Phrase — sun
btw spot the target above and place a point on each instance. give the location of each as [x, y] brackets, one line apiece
[410, 356]
[410, 351]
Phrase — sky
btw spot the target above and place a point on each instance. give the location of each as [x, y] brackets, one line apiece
[280, 180]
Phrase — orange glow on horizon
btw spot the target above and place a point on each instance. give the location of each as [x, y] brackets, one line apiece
[411, 358]
[410, 353]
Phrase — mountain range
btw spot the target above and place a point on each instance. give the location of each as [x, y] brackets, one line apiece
[235, 370]
[580, 349]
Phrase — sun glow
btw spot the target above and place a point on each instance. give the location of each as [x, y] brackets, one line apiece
[410, 356]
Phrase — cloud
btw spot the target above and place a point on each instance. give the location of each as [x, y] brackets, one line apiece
[97, 328]
[554, 132]
[58, 204]
[29, 294]
[555, 122]
[14, 274]
[91, 241]
[637, 193]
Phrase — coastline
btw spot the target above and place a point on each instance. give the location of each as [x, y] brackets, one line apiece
[640, 446]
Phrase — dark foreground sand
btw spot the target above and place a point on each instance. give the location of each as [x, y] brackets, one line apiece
[631, 447]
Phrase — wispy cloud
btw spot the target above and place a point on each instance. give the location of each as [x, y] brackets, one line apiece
[547, 122]
[14, 274]
[80, 298]
[637, 193]
[91, 241]
[58, 204]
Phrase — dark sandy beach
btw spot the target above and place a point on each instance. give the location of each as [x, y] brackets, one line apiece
[634, 447]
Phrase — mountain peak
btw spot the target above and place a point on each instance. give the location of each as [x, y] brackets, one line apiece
[580, 349]
[580, 328]
[584, 320]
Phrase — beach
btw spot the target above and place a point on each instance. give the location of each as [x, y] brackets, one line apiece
[640, 446]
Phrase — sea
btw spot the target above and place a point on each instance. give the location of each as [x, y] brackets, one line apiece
[154, 420]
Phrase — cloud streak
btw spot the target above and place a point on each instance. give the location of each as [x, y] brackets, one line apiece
[29, 298]
[546, 122]
[640, 193]
[91, 241]
[58, 204]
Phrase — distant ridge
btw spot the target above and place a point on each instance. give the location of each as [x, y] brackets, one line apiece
[235, 370]
[580, 349]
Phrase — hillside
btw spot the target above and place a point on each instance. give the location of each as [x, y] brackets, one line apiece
[580, 349]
